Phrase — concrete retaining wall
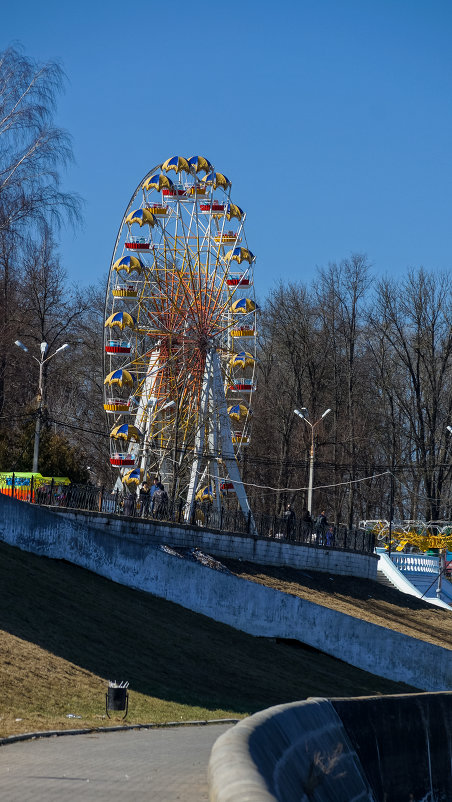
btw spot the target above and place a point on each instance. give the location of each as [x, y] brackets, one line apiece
[131, 560]
[382, 749]
[241, 547]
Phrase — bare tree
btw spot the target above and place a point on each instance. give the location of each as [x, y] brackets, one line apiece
[292, 373]
[40, 307]
[32, 149]
[342, 296]
[9, 300]
[412, 325]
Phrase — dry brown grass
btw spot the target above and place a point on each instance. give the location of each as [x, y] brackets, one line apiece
[64, 632]
[361, 598]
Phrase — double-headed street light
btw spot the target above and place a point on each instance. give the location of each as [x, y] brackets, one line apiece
[41, 362]
[303, 414]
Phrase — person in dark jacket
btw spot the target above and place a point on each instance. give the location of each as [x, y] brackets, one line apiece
[321, 527]
[306, 525]
[160, 502]
[289, 516]
[145, 499]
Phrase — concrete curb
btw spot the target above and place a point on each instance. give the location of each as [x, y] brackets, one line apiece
[30, 736]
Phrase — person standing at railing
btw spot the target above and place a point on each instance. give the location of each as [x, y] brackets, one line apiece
[160, 502]
[321, 527]
[306, 522]
[330, 536]
[129, 504]
[156, 485]
[145, 499]
[59, 496]
[289, 517]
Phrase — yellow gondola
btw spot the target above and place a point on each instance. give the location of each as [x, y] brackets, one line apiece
[121, 320]
[131, 264]
[142, 217]
[158, 181]
[238, 411]
[199, 163]
[234, 211]
[239, 255]
[126, 431]
[176, 163]
[216, 180]
[243, 305]
[241, 360]
[133, 477]
[205, 494]
[120, 377]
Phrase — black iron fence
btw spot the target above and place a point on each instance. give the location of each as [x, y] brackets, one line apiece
[94, 499]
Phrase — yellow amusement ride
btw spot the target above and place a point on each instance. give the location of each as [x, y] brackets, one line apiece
[432, 536]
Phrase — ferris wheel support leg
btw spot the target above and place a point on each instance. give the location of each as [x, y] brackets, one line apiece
[199, 440]
[226, 448]
[213, 449]
[144, 414]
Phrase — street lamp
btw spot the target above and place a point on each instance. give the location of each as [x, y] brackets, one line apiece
[303, 413]
[442, 554]
[41, 362]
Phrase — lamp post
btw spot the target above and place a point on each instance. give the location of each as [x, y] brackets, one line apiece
[41, 362]
[303, 413]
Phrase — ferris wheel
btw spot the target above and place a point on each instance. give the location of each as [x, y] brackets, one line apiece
[180, 334]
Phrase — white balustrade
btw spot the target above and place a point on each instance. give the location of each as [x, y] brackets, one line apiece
[415, 563]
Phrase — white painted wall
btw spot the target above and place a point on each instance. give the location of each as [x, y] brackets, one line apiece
[242, 547]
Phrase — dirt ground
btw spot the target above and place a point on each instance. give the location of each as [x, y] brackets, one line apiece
[360, 598]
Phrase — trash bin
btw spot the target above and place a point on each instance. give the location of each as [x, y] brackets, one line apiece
[117, 698]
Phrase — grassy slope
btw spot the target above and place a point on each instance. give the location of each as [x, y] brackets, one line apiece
[64, 631]
[361, 598]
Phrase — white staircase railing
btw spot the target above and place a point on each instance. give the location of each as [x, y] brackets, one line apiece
[398, 576]
[416, 563]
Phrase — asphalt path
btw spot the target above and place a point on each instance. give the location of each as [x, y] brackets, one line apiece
[162, 765]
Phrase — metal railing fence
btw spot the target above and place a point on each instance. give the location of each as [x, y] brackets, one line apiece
[99, 500]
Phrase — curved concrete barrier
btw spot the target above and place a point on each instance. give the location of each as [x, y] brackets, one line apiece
[378, 749]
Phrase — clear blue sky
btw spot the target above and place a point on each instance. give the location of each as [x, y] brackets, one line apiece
[332, 119]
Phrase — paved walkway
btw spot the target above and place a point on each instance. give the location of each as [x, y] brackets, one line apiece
[162, 765]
